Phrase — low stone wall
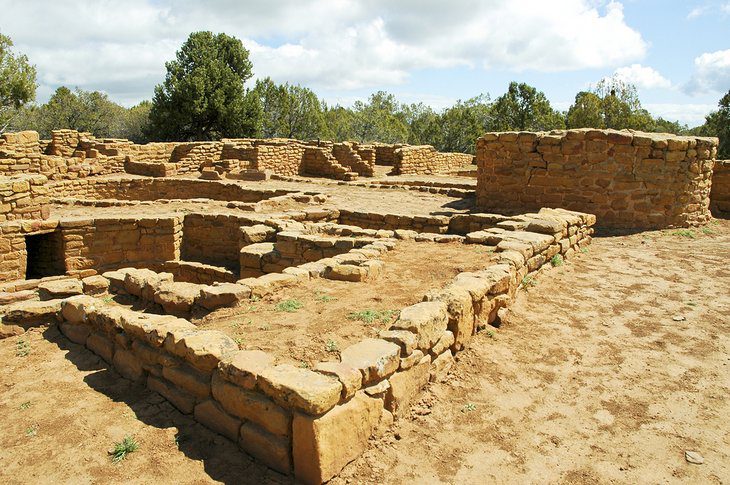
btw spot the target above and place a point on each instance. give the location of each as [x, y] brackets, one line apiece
[154, 189]
[427, 160]
[628, 179]
[374, 220]
[213, 239]
[720, 193]
[385, 154]
[23, 197]
[357, 158]
[150, 169]
[92, 246]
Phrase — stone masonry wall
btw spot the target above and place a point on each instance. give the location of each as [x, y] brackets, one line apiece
[23, 197]
[426, 159]
[153, 189]
[720, 193]
[628, 179]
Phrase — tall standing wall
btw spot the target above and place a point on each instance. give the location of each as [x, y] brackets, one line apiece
[627, 179]
[720, 194]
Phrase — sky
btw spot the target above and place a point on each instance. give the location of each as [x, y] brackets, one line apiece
[677, 53]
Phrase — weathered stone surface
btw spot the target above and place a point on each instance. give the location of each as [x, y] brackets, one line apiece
[8, 298]
[128, 365]
[188, 379]
[428, 320]
[203, 349]
[445, 342]
[243, 367]
[28, 312]
[346, 272]
[222, 294]
[302, 389]
[460, 312]
[378, 390]
[73, 310]
[441, 366]
[210, 414]
[376, 359]
[181, 400]
[405, 385]
[152, 328]
[75, 333]
[251, 406]
[263, 285]
[101, 346]
[349, 377]
[407, 341]
[95, 285]
[176, 298]
[272, 450]
[411, 360]
[60, 289]
[323, 445]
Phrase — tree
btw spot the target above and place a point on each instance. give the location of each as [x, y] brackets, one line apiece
[338, 123]
[586, 111]
[89, 111]
[288, 111]
[522, 108]
[717, 124]
[380, 119]
[135, 122]
[203, 95]
[459, 126]
[17, 82]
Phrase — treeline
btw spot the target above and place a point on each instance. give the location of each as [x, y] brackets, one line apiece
[207, 95]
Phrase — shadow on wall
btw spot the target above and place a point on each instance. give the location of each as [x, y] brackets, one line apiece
[223, 461]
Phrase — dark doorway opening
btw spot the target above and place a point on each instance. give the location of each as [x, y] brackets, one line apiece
[44, 255]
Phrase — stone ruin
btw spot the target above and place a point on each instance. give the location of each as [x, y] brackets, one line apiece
[215, 244]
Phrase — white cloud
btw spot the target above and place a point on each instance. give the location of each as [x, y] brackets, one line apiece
[121, 47]
[689, 114]
[712, 73]
[696, 12]
[642, 76]
[725, 8]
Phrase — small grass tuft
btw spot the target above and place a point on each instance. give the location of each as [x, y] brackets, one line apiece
[469, 407]
[556, 261]
[289, 306]
[239, 342]
[31, 431]
[331, 346]
[123, 448]
[22, 348]
[584, 250]
[304, 365]
[528, 282]
[707, 231]
[324, 297]
[684, 233]
[26, 405]
[490, 333]
[369, 316]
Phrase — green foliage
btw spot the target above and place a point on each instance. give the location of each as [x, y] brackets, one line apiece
[123, 448]
[524, 108]
[469, 407]
[289, 306]
[203, 95]
[369, 316]
[380, 119]
[457, 128]
[323, 297]
[331, 346]
[288, 111]
[26, 405]
[22, 348]
[17, 82]
[135, 123]
[528, 282]
[717, 124]
[556, 260]
[684, 233]
[89, 111]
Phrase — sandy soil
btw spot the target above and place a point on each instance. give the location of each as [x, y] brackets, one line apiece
[589, 380]
[318, 330]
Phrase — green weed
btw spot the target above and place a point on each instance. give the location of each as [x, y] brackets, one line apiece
[528, 282]
[556, 261]
[123, 448]
[22, 348]
[331, 346]
[31, 431]
[684, 233]
[469, 407]
[369, 316]
[26, 405]
[289, 306]
[324, 298]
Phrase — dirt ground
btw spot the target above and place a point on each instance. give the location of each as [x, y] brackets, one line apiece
[324, 324]
[606, 371]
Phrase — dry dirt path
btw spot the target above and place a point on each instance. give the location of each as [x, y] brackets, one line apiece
[590, 380]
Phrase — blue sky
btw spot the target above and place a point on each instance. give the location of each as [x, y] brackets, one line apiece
[677, 53]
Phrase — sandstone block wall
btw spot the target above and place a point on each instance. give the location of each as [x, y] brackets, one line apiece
[720, 193]
[23, 197]
[213, 239]
[92, 246]
[627, 179]
[427, 160]
[154, 189]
